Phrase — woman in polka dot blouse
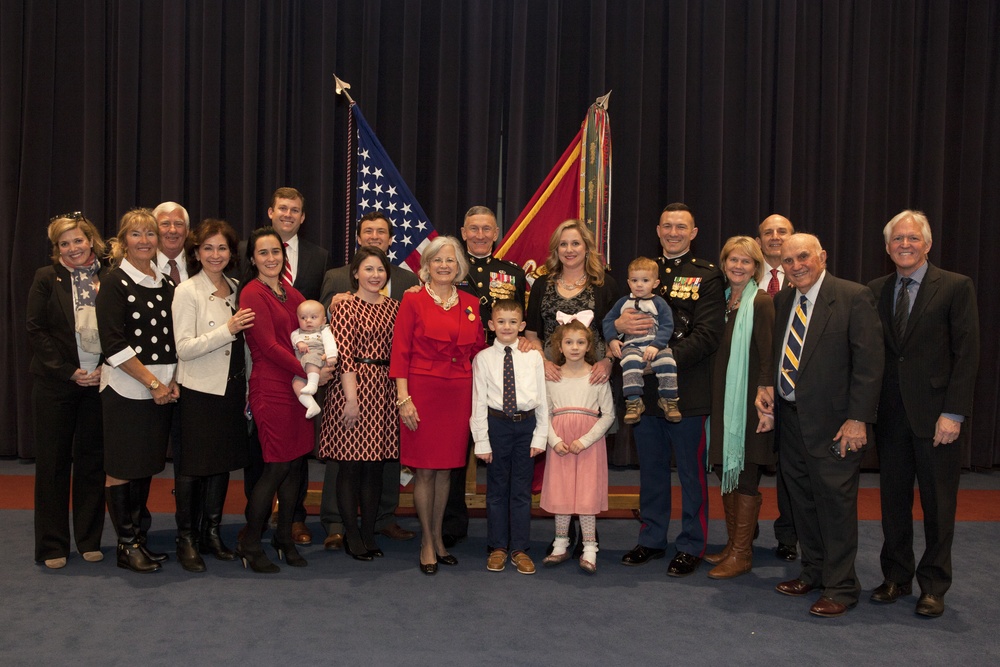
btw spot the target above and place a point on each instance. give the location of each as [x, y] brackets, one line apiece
[138, 390]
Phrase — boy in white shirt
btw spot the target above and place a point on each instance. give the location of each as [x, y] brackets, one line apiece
[510, 423]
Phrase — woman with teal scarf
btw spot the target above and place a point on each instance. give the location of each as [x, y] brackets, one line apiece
[737, 447]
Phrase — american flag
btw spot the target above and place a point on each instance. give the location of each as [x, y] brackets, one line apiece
[381, 188]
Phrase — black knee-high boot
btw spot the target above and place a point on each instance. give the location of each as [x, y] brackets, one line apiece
[130, 555]
[141, 518]
[214, 490]
[187, 497]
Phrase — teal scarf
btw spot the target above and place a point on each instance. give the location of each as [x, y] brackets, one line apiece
[734, 423]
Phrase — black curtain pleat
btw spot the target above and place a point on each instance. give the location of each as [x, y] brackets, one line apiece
[835, 114]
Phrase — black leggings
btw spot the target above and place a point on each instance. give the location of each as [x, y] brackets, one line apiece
[282, 478]
[359, 483]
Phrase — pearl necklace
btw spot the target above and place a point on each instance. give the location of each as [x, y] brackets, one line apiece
[445, 304]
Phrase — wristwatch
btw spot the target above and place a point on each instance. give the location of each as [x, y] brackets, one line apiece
[155, 384]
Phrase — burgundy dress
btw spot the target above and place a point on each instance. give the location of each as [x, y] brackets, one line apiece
[285, 433]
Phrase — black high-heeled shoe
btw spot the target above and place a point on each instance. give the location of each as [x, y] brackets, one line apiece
[364, 555]
[429, 568]
[447, 559]
[289, 554]
[373, 550]
[256, 561]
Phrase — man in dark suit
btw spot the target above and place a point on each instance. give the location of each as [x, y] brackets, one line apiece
[771, 235]
[174, 223]
[374, 230]
[694, 289]
[307, 264]
[931, 330]
[829, 339]
[490, 279]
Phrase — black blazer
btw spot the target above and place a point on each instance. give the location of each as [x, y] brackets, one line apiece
[934, 366]
[840, 372]
[314, 262]
[51, 323]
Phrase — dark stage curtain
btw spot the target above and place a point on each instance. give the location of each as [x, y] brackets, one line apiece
[836, 114]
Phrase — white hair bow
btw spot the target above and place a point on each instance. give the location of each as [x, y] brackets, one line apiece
[585, 317]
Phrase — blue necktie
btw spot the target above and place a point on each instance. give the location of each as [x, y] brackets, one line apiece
[793, 349]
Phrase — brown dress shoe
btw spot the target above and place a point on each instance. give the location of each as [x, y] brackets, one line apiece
[794, 587]
[828, 608]
[930, 606]
[300, 533]
[497, 560]
[396, 532]
[522, 562]
[333, 542]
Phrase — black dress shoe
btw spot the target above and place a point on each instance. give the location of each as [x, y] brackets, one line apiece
[683, 564]
[930, 606]
[786, 552]
[889, 592]
[447, 559]
[641, 555]
[429, 568]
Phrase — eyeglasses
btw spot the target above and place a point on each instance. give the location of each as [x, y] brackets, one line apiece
[75, 215]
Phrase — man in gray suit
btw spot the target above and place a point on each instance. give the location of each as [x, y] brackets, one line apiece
[828, 338]
[374, 230]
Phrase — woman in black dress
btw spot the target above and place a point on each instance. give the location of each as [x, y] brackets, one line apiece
[208, 328]
[138, 390]
[62, 329]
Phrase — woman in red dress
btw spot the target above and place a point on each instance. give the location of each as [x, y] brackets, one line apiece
[286, 436]
[438, 331]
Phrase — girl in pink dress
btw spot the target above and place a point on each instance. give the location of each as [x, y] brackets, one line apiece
[576, 477]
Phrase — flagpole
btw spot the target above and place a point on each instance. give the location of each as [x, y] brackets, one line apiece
[340, 88]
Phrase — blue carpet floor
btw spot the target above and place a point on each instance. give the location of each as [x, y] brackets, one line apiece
[343, 612]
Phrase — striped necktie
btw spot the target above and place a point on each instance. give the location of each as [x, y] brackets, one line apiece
[793, 349]
[286, 275]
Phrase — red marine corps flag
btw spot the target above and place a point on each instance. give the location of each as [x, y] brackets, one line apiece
[579, 186]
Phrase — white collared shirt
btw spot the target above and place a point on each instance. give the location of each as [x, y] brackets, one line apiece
[767, 275]
[487, 392]
[163, 264]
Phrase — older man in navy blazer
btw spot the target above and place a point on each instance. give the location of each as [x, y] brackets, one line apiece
[829, 339]
[932, 352]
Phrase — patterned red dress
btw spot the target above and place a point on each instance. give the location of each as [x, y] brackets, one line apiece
[364, 338]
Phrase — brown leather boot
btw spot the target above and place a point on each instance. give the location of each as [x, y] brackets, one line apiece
[729, 503]
[740, 560]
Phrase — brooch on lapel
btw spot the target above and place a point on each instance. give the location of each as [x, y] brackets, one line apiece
[472, 315]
